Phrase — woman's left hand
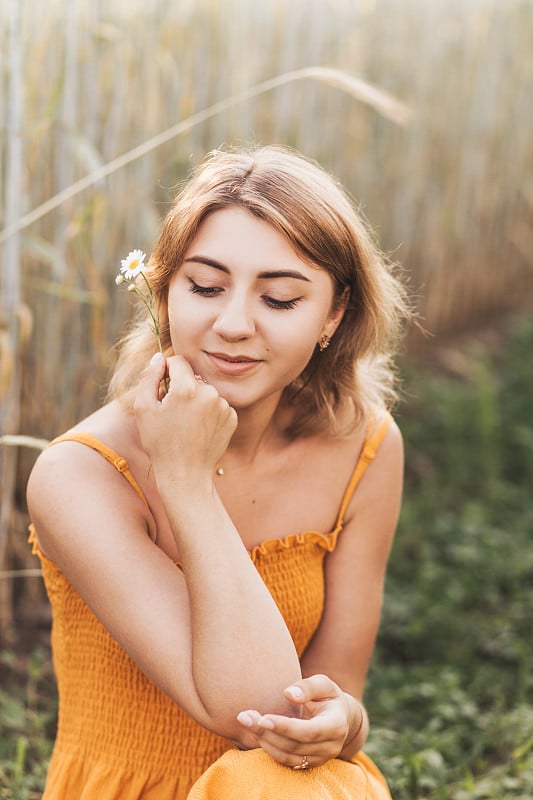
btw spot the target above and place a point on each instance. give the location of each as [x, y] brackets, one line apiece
[318, 735]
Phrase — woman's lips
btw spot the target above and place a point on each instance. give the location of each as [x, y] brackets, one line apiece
[232, 365]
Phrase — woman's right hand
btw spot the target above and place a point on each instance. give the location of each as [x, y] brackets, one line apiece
[187, 431]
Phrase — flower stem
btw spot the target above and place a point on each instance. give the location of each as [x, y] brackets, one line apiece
[149, 303]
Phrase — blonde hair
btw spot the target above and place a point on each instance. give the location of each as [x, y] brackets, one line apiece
[307, 206]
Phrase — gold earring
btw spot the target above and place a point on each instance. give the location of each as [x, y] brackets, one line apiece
[324, 341]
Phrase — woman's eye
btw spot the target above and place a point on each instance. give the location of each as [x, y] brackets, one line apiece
[281, 304]
[205, 291]
[271, 302]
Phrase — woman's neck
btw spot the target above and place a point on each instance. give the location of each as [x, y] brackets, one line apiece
[259, 428]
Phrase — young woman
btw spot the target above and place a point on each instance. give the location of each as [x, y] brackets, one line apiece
[214, 539]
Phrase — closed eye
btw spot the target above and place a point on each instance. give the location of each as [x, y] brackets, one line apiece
[271, 302]
[204, 291]
[280, 304]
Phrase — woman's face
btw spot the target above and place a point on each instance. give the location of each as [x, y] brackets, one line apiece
[245, 310]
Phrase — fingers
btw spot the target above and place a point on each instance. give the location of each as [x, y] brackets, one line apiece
[299, 731]
[310, 750]
[318, 736]
[186, 385]
[190, 418]
[182, 380]
[150, 380]
[322, 735]
[284, 751]
[250, 720]
[316, 687]
[296, 759]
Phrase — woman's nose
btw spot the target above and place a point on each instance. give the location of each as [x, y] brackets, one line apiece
[235, 319]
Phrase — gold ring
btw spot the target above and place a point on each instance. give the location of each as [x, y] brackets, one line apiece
[304, 765]
[199, 378]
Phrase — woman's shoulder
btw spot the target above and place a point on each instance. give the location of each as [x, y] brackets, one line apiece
[68, 463]
[370, 431]
[375, 441]
[71, 479]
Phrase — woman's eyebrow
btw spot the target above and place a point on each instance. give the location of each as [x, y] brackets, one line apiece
[209, 262]
[264, 275]
[283, 273]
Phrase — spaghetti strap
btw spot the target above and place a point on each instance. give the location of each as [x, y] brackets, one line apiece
[117, 461]
[368, 454]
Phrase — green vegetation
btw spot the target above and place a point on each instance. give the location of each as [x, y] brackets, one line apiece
[450, 690]
[28, 710]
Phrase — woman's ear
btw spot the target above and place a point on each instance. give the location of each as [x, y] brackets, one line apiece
[334, 320]
[339, 306]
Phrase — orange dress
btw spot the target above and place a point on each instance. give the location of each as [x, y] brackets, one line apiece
[120, 738]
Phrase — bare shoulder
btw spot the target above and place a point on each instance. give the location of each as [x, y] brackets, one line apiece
[379, 443]
[391, 450]
[71, 464]
[73, 481]
[377, 500]
[386, 466]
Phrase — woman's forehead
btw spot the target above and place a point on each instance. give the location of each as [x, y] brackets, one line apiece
[233, 233]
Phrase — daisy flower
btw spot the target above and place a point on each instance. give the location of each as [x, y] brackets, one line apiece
[130, 268]
[133, 265]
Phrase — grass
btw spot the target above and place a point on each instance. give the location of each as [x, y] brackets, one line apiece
[28, 711]
[450, 691]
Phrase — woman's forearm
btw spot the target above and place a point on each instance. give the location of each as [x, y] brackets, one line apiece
[242, 653]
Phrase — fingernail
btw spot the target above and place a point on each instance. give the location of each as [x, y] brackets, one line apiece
[156, 358]
[295, 692]
[245, 719]
[266, 723]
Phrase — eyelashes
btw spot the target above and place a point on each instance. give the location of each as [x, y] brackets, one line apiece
[271, 302]
[204, 291]
[280, 304]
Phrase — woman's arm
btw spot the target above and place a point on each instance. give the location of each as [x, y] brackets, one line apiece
[210, 637]
[336, 661]
[355, 573]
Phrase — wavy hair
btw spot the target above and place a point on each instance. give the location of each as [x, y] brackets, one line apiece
[310, 208]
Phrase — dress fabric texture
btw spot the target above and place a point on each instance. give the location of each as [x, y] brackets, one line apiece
[121, 738]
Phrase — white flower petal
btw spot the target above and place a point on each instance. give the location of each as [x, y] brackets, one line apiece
[133, 265]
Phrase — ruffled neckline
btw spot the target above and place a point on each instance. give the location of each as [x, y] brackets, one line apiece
[325, 540]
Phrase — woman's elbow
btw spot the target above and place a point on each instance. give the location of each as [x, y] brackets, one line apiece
[224, 722]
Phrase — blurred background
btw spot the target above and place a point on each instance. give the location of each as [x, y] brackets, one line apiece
[422, 109]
